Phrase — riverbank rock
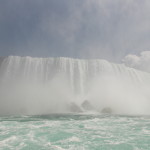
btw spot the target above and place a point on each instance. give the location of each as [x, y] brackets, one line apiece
[106, 110]
[86, 105]
[73, 107]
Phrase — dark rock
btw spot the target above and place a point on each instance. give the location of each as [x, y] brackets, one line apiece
[106, 110]
[87, 105]
[74, 107]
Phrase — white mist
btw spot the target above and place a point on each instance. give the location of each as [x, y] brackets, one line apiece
[48, 85]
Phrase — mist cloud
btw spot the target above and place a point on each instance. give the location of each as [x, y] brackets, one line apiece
[139, 62]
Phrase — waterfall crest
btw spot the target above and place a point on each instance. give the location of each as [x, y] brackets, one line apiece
[77, 72]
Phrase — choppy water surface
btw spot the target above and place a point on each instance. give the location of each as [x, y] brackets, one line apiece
[75, 132]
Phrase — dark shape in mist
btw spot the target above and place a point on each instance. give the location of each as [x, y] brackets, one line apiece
[106, 110]
[73, 107]
[86, 105]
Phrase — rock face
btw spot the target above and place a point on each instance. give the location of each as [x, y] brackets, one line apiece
[74, 108]
[86, 105]
[106, 110]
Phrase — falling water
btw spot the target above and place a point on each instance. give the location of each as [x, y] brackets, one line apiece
[45, 85]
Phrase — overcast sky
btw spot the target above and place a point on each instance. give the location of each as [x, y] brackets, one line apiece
[106, 29]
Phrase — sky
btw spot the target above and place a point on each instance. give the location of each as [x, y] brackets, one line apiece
[114, 30]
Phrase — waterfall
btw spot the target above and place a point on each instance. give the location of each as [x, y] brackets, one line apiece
[86, 78]
[77, 72]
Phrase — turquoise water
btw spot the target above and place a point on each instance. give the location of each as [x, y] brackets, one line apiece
[75, 132]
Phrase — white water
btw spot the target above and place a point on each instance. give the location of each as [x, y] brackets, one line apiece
[47, 85]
